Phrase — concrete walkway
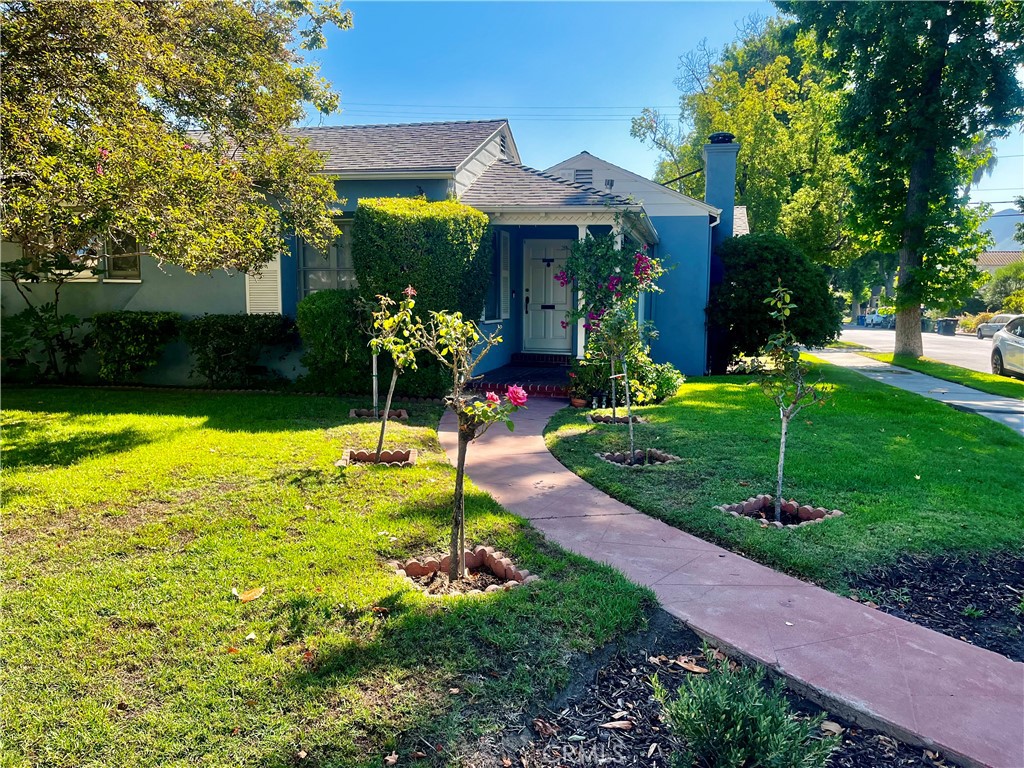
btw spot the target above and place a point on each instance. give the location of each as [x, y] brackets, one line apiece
[873, 668]
[1005, 410]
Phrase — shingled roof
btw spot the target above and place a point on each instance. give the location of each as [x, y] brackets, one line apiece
[397, 148]
[993, 259]
[507, 184]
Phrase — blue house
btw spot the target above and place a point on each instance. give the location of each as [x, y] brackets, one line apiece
[536, 215]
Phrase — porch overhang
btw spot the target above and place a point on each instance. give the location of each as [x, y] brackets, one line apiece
[573, 215]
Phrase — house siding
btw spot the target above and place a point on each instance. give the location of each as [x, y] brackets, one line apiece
[678, 313]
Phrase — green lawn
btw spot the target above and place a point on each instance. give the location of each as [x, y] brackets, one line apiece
[911, 474]
[986, 382]
[130, 516]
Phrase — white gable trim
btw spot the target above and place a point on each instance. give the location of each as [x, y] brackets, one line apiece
[596, 162]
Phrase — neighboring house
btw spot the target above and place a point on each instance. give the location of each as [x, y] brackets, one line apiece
[536, 215]
[991, 261]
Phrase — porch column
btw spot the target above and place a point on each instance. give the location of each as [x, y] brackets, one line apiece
[580, 332]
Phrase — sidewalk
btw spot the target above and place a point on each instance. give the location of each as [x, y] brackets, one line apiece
[862, 664]
[1004, 410]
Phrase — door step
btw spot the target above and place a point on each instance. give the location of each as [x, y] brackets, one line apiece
[541, 360]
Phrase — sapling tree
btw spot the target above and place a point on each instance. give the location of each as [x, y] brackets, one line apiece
[783, 378]
[618, 337]
[393, 333]
[458, 345]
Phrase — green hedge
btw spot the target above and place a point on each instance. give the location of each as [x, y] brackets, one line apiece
[227, 349]
[753, 266]
[335, 339]
[128, 343]
[442, 249]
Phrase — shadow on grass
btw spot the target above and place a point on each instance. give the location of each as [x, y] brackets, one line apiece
[25, 445]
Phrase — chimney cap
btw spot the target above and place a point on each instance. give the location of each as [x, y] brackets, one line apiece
[721, 137]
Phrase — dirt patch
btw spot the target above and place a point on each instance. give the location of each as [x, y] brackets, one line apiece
[614, 687]
[979, 601]
[487, 570]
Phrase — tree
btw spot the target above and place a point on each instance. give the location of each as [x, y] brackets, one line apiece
[921, 84]
[784, 378]
[393, 333]
[767, 90]
[753, 264]
[458, 346]
[1005, 282]
[162, 124]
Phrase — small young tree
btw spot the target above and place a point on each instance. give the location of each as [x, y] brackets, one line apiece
[458, 346]
[784, 378]
[393, 333]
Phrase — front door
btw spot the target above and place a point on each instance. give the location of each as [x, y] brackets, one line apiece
[545, 302]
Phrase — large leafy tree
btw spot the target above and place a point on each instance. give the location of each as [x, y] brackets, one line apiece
[161, 123]
[769, 91]
[921, 83]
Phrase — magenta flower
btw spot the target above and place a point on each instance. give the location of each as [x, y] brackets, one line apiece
[186, 146]
[564, 325]
[104, 153]
[99, 169]
[493, 399]
[409, 291]
[516, 395]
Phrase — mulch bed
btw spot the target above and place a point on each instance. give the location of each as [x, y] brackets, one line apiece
[573, 730]
[977, 601]
[437, 583]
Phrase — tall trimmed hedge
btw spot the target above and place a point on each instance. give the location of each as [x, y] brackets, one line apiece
[754, 264]
[442, 249]
[333, 326]
[129, 343]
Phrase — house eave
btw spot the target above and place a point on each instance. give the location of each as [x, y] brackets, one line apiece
[398, 175]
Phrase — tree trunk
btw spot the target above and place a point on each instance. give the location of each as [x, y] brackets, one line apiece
[615, 410]
[629, 408]
[376, 399]
[782, 461]
[457, 548]
[387, 411]
[919, 187]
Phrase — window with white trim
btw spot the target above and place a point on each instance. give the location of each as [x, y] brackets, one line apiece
[319, 272]
[122, 258]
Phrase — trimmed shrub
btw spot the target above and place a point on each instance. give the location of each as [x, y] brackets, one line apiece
[333, 326]
[649, 382]
[442, 249]
[227, 349]
[129, 343]
[729, 718]
[754, 264]
[970, 323]
[336, 351]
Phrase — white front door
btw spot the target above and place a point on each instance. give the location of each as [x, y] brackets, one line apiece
[545, 302]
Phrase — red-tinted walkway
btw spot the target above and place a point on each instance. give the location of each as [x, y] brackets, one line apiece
[868, 666]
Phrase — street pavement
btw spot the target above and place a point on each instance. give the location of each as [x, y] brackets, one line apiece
[965, 351]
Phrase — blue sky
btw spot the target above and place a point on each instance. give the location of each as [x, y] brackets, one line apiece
[568, 76]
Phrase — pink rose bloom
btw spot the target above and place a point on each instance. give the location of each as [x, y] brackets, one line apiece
[99, 169]
[492, 398]
[516, 395]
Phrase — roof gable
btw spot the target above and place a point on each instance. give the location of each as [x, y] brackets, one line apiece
[507, 184]
[395, 148]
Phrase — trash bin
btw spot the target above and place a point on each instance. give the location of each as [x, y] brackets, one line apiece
[861, 319]
[927, 324]
[946, 326]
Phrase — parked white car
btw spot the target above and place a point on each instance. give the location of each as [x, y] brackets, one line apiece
[986, 330]
[876, 320]
[1008, 348]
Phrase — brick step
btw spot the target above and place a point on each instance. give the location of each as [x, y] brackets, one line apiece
[541, 360]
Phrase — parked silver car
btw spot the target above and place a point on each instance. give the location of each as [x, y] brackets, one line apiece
[985, 330]
[1008, 348]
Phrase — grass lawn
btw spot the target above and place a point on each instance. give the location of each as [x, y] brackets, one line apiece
[130, 516]
[986, 382]
[911, 474]
[844, 345]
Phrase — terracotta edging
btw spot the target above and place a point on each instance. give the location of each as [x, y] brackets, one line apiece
[401, 457]
[755, 505]
[660, 458]
[493, 560]
[367, 413]
[619, 420]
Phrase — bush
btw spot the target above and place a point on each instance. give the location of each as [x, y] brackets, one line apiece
[753, 267]
[649, 382]
[1014, 302]
[729, 718]
[443, 249]
[128, 343]
[1006, 281]
[227, 349]
[336, 351]
[970, 323]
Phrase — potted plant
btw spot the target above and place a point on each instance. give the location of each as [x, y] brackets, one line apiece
[579, 392]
